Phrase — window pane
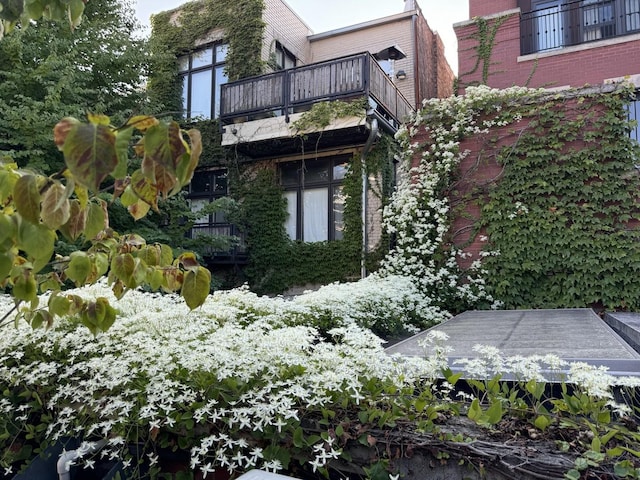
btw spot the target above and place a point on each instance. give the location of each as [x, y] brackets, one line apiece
[289, 176]
[201, 94]
[292, 214]
[202, 58]
[185, 95]
[201, 182]
[339, 200]
[221, 78]
[221, 183]
[632, 15]
[198, 204]
[548, 25]
[221, 53]
[289, 61]
[339, 170]
[316, 215]
[633, 109]
[183, 64]
[316, 171]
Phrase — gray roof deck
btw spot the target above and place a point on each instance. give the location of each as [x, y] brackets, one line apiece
[572, 334]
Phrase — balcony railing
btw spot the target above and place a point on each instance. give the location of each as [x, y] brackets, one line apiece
[233, 254]
[572, 23]
[296, 89]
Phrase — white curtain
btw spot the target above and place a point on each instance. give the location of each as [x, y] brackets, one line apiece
[632, 11]
[291, 222]
[316, 214]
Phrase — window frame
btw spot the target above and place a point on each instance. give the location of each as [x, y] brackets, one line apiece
[334, 186]
[216, 67]
[281, 50]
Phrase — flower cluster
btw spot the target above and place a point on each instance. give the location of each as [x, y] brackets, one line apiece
[230, 381]
[419, 214]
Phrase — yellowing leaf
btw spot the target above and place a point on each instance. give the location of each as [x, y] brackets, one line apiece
[144, 188]
[163, 149]
[26, 198]
[25, 287]
[139, 209]
[90, 154]
[142, 122]
[123, 138]
[8, 179]
[188, 163]
[98, 119]
[77, 221]
[95, 221]
[56, 209]
[196, 287]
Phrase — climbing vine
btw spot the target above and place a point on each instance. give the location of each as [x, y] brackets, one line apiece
[175, 34]
[560, 216]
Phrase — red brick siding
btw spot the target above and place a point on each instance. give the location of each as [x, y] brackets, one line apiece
[574, 68]
[434, 75]
[480, 8]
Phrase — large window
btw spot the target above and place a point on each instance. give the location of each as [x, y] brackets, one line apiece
[551, 24]
[315, 198]
[206, 187]
[202, 73]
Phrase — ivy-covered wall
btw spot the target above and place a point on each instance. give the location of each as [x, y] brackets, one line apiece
[177, 32]
[542, 190]
[277, 263]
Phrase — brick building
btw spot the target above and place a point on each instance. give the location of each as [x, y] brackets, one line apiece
[549, 43]
[391, 63]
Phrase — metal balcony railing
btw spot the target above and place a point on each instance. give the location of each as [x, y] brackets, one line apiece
[296, 89]
[563, 24]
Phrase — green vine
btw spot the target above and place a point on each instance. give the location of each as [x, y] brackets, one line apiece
[243, 28]
[323, 113]
[485, 35]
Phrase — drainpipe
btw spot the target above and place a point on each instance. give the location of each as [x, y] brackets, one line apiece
[372, 125]
[67, 458]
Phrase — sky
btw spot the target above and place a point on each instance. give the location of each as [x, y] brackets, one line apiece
[323, 15]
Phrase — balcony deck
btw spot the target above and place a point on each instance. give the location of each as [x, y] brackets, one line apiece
[297, 89]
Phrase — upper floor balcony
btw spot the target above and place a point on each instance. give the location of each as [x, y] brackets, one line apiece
[558, 24]
[260, 108]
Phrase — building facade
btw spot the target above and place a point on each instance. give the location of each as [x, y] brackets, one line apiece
[549, 43]
[319, 104]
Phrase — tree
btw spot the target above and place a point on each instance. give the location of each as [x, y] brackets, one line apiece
[36, 209]
[48, 72]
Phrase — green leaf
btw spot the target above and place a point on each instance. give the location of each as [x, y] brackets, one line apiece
[6, 264]
[96, 220]
[25, 286]
[144, 188]
[11, 10]
[542, 422]
[123, 267]
[79, 268]
[90, 153]
[495, 412]
[8, 179]
[188, 163]
[59, 304]
[56, 209]
[123, 138]
[7, 228]
[298, 438]
[196, 287]
[475, 412]
[38, 242]
[27, 198]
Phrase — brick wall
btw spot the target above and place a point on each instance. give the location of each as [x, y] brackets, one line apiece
[589, 63]
[480, 8]
[285, 26]
[435, 77]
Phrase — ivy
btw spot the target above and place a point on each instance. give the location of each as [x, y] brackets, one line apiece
[243, 28]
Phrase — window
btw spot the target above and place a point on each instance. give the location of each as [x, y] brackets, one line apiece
[202, 73]
[551, 24]
[205, 187]
[315, 198]
[284, 58]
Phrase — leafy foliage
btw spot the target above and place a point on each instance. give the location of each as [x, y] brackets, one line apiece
[33, 208]
[48, 72]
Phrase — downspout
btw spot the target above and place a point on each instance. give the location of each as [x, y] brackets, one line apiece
[67, 458]
[372, 125]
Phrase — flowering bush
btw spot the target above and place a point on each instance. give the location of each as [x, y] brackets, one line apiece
[243, 382]
[231, 382]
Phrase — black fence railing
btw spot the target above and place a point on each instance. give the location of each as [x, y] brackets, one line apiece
[236, 252]
[563, 24]
[296, 89]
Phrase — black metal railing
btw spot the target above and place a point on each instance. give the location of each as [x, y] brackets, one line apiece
[235, 253]
[577, 22]
[296, 89]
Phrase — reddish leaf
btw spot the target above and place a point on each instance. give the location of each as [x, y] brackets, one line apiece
[163, 149]
[56, 209]
[27, 198]
[77, 221]
[61, 130]
[145, 189]
[90, 154]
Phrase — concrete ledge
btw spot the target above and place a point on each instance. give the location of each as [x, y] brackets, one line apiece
[627, 325]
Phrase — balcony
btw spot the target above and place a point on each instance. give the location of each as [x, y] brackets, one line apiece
[282, 95]
[563, 24]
